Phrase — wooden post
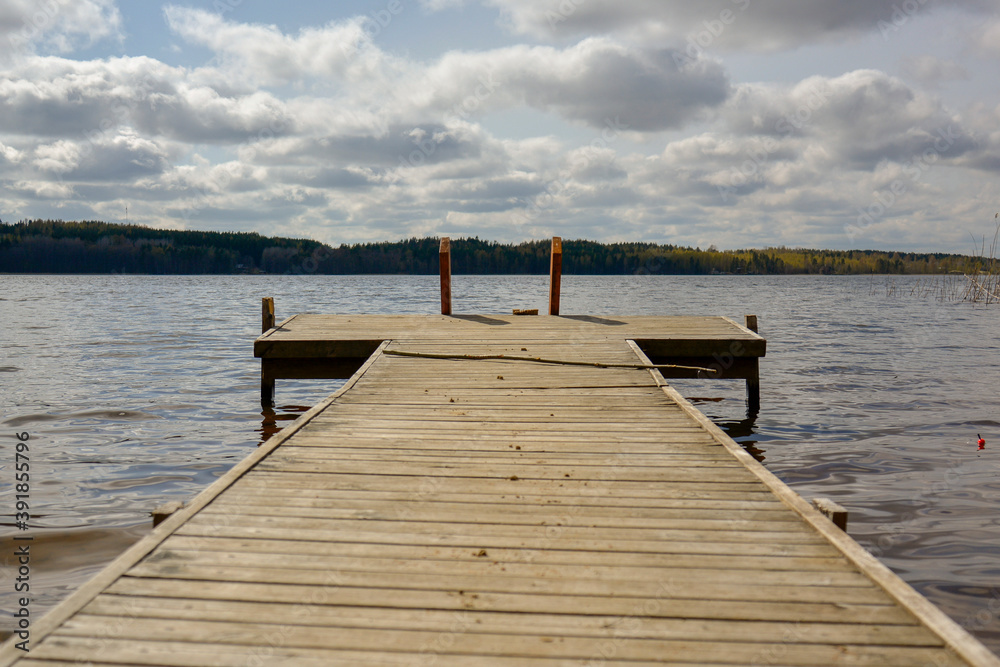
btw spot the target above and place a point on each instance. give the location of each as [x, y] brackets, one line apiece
[753, 382]
[266, 314]
[163, 512]
[832, 511]
[444, 254]
[266, 389]
[555, 275]
[266, 324]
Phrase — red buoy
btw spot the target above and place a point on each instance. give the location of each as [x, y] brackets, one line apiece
[981, 442]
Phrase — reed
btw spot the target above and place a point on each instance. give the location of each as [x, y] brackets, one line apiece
[943, 287]
[983, 285]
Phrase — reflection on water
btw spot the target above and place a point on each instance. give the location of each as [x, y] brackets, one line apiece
[275, 419]
[742, 431]
[871, 401]
[62, 559]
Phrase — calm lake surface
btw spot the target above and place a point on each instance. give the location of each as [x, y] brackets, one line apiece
[137, 390]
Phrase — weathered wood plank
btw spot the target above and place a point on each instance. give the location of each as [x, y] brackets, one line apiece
[328, 592]
[470, 642]
[413, 512]
[149, 652]
[223, 526]
[459, 555]
[261, 482]
[501, 623]
[622, 495]
[485, 565]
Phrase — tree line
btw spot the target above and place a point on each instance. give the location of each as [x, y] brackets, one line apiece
[54, 246]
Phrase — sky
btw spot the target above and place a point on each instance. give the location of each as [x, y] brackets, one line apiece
[839, 124]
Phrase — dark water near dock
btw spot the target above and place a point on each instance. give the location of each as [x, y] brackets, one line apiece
[138, 390]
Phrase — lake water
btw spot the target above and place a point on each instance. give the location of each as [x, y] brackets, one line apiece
[137, 390]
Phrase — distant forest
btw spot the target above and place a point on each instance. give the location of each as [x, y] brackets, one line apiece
[53, 246]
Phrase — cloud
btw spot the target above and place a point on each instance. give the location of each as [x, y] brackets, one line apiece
[592, 82]
[9, 155]
[335, 53]
[322, 132]
[57, 97]
[861, 118]
[125, 157]
[57, 26]
[930, 71]
[987, 38]
[749, 25]
[438, 5]
[403, 146]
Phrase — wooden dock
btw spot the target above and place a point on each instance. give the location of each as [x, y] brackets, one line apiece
[334, 346]
[496, 512]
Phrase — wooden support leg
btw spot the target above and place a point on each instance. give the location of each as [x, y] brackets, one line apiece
[753, 380]
[555, 275]
[266, 324]
[445, 260]
[753, 390]
[266, 392]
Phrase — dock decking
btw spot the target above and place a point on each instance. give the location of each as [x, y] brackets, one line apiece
[465, 512]
[330, 346]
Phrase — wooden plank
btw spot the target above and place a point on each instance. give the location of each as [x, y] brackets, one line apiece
[470, 642]
[538, 540]
[579, 505]
[150, 652]
[688, 588]
[718, 522]
[612, 452]
[328, 451]
[486, 566]
[403, 525]
[327, 591]
[619, 494]
[262, 481]
[569, 625]
[459, 555]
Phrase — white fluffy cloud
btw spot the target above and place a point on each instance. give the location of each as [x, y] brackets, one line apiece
[603, 123]
[56, 25]
[339, 52]
[862, 118]
[52, 96]
[987, 38]
[753, 25]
